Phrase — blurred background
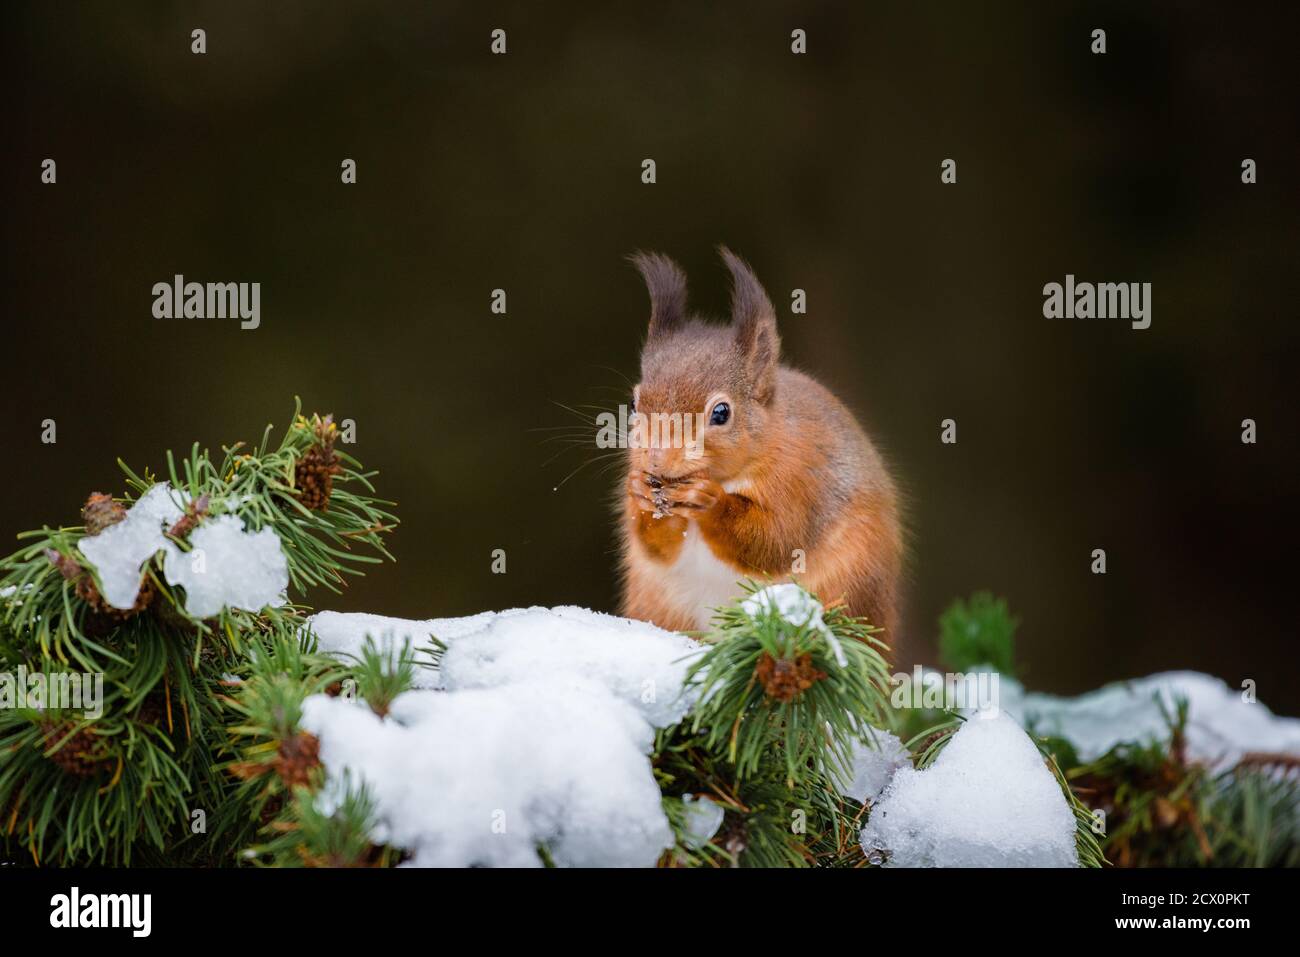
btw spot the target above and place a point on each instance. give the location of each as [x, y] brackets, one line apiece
[523, 172]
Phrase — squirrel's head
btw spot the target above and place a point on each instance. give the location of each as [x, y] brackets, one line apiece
[706, 391]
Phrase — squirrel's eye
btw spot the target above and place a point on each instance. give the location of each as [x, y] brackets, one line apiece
[721, 413]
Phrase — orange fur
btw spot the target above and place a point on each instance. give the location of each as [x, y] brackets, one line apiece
[790, 473]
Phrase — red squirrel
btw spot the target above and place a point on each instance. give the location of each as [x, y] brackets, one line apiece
[781, 483]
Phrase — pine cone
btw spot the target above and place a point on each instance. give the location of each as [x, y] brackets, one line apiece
[298, 757]
[153, 710]
[786, 678]
[81, 754]
[100, 511]
[167, 615]
[271, 809]
[313, 476]
[735, 839]
[83, 584]
[193, 515]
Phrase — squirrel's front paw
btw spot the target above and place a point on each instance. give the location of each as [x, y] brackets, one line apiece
[687, 497]
[642, 487]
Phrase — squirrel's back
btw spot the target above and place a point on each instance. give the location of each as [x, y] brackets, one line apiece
[831, 474]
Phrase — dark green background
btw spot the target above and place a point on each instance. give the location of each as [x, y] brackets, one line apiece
[522, 172]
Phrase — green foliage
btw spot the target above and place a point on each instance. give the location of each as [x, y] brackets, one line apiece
[1086, 844]
[205, 715]
[381, 675]
[978, 632]
[185, 700]
[926, 745]
[772, 764]
[779, 708]
[109, 789]
[769, 821]
[265, 749]
[1162, 810]
[801, 691]
[330, 827]
[1252, 817]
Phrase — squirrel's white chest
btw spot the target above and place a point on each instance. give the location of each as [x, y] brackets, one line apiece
[699, 581]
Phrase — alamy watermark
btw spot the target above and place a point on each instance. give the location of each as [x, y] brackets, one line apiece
[945, 691]
[179, 299]
[1103, 300]
[58, 690]
[628, 429]
[133, 912]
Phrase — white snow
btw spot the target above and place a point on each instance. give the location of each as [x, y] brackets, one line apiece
[703, 818]
[873, 765]
[344, 635]
[537, 729]
[228, 566]
[638, 663]
[795, 606]
[118, 551]
[988, 800]
[1222, 723]
[482, 777]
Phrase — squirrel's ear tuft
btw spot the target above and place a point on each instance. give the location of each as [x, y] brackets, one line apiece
[754, 321]
[667, 285]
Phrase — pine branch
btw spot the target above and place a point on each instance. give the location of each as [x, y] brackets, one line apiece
[127, 787]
